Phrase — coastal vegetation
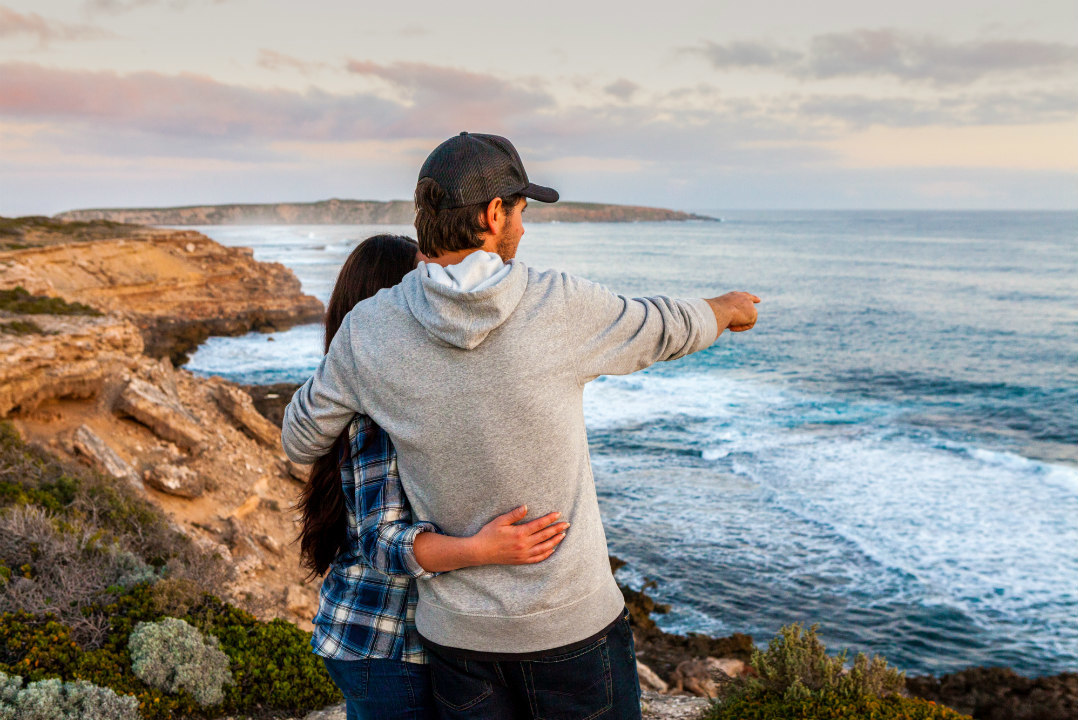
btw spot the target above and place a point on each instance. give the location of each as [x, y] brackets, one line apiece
[796, 678]
[100, 594]
[19, 300]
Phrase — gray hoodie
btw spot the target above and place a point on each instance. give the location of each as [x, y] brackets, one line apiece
[481, 393]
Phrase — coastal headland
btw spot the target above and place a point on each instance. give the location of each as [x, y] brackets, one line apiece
[177, 287]
[357, 212]
[95, 321]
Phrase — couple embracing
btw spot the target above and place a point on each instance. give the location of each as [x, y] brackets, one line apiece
[451, 499]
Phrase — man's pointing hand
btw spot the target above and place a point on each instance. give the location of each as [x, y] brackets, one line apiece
[734, 311]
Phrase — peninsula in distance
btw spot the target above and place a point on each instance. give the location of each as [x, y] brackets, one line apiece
[358, 212]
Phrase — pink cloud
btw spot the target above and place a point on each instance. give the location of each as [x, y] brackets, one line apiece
[472, 100]
[45, 30]
[273, 60]
[190, 105]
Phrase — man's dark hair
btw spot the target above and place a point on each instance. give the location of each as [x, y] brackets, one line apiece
[446, 230]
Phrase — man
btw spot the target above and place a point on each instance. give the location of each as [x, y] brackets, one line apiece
[475, 367]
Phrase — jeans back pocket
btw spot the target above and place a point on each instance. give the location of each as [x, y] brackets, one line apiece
[573, 686]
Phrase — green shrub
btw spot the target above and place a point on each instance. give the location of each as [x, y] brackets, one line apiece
[829, 705]
[19, 300]
[795, 679]
[272, 665]
[21, 327]
[170, 654]
[796, 664]
[55, 700]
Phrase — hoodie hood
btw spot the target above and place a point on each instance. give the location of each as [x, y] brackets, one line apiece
[463, 303]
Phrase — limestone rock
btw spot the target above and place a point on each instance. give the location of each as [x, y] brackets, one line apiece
[86, 442]
[697, 677]
[298, 601]
[730, 667]
[649, 680]
[238, 405]
[175, 480]
[153, 408]
[270, 544]
[75, 356]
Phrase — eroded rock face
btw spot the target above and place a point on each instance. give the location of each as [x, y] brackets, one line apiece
[157, 411]
[177, 287]
[74, 356]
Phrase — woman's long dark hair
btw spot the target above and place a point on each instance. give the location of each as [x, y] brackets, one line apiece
[378, 262]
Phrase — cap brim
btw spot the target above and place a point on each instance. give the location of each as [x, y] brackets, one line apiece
[540, 193]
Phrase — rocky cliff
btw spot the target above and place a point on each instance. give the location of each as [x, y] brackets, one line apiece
[356, 212]
[78, 384]
[177, 287]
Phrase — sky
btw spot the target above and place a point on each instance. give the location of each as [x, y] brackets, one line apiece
[688, 104]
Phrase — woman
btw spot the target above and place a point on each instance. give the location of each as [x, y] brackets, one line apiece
[357, 524]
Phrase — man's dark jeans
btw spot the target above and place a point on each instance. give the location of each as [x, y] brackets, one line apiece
[596, 682]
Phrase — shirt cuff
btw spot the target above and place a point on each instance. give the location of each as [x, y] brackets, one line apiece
[408, 542]
[709, 330]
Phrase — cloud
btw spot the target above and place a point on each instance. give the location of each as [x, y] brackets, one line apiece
[908, 56]
[116, 7]
[192, 111]
[622, 89]
[273, 60]
[747, 55]
[13, 24]
[189, 106]
[887, 52]
[965, 110]
[468, 99]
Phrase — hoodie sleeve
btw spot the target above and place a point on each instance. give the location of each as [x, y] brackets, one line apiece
[323, 406]
[615, 335]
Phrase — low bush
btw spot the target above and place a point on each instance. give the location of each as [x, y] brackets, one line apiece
[84, 561]
[171, 655]
[829, 705]
[21, 327]
[271, 663]
[20, 300]
[55, 700]
[796, 664]
[795, 679]
[108, 539]
[62, 570]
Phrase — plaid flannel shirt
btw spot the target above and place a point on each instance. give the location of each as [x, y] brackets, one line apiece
[366, 607]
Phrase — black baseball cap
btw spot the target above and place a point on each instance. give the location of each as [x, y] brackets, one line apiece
[473, 168]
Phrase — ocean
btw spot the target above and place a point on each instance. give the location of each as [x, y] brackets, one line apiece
[891, 453]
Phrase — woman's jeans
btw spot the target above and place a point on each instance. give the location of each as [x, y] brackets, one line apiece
[383, 689]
